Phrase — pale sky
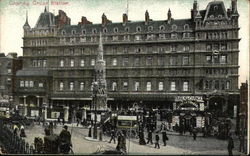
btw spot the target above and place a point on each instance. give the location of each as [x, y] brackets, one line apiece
[13, 13]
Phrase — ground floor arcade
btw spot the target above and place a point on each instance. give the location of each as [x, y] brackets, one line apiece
[72, 108]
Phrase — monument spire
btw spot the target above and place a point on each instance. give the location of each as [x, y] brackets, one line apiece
[100, 49]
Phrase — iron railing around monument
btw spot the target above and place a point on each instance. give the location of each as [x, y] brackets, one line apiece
[12, 142]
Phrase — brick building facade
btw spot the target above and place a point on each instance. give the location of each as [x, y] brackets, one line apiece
[151, 64]
[9, 65]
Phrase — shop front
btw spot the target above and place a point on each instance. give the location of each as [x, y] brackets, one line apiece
[189, 112]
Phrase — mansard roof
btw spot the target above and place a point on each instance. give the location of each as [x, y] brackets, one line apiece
[215, 9]
[45, 20]
[131, 25]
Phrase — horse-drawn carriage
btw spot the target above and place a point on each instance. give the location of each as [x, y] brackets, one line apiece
[127, 124]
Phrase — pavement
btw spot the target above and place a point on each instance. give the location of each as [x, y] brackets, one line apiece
[176, 145]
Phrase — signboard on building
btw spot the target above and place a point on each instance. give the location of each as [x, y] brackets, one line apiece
[126, 117]
[181, 98]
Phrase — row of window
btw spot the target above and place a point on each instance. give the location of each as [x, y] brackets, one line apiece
[185, 86]
[38, 42]
[173, 60]
[125, 62]
[30, 84]
[39, 63]
[216, 84]
[72, 86]
[222, 59]
[148, 37]
[116, 30]
[216, 35]
[137, 49]
[209, 84]
[216, 46]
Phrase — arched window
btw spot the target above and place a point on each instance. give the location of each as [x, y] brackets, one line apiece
[127, 29]
[73, 32]
[115, 30]
[162, 28]
[174, 27]
[105, 30]
[138, 29]
[186, 27]
[150, 28]
[83, 32]
[94, 31]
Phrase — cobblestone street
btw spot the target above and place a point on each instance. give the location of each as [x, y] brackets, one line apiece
[176, 144]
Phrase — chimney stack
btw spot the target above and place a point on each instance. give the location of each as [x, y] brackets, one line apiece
[147, 17]
[124, 18]
[169, 16]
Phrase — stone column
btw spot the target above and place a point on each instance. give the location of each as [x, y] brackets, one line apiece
[25, 111]
[66, 113]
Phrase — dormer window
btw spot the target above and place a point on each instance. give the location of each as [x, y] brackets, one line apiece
[150, 28]
[138, 29]
[186, 27]
[127, 29]
[94, 31]
[115, 30]
[216, 7]
[73, 32]
[174, 27]
[84, 32]
[162, 28]
[63, 32]
[105, 30]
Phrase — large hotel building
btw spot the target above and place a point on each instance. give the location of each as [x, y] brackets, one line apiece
[175, 64]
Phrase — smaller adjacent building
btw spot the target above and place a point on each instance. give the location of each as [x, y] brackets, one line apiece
[9, 64]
